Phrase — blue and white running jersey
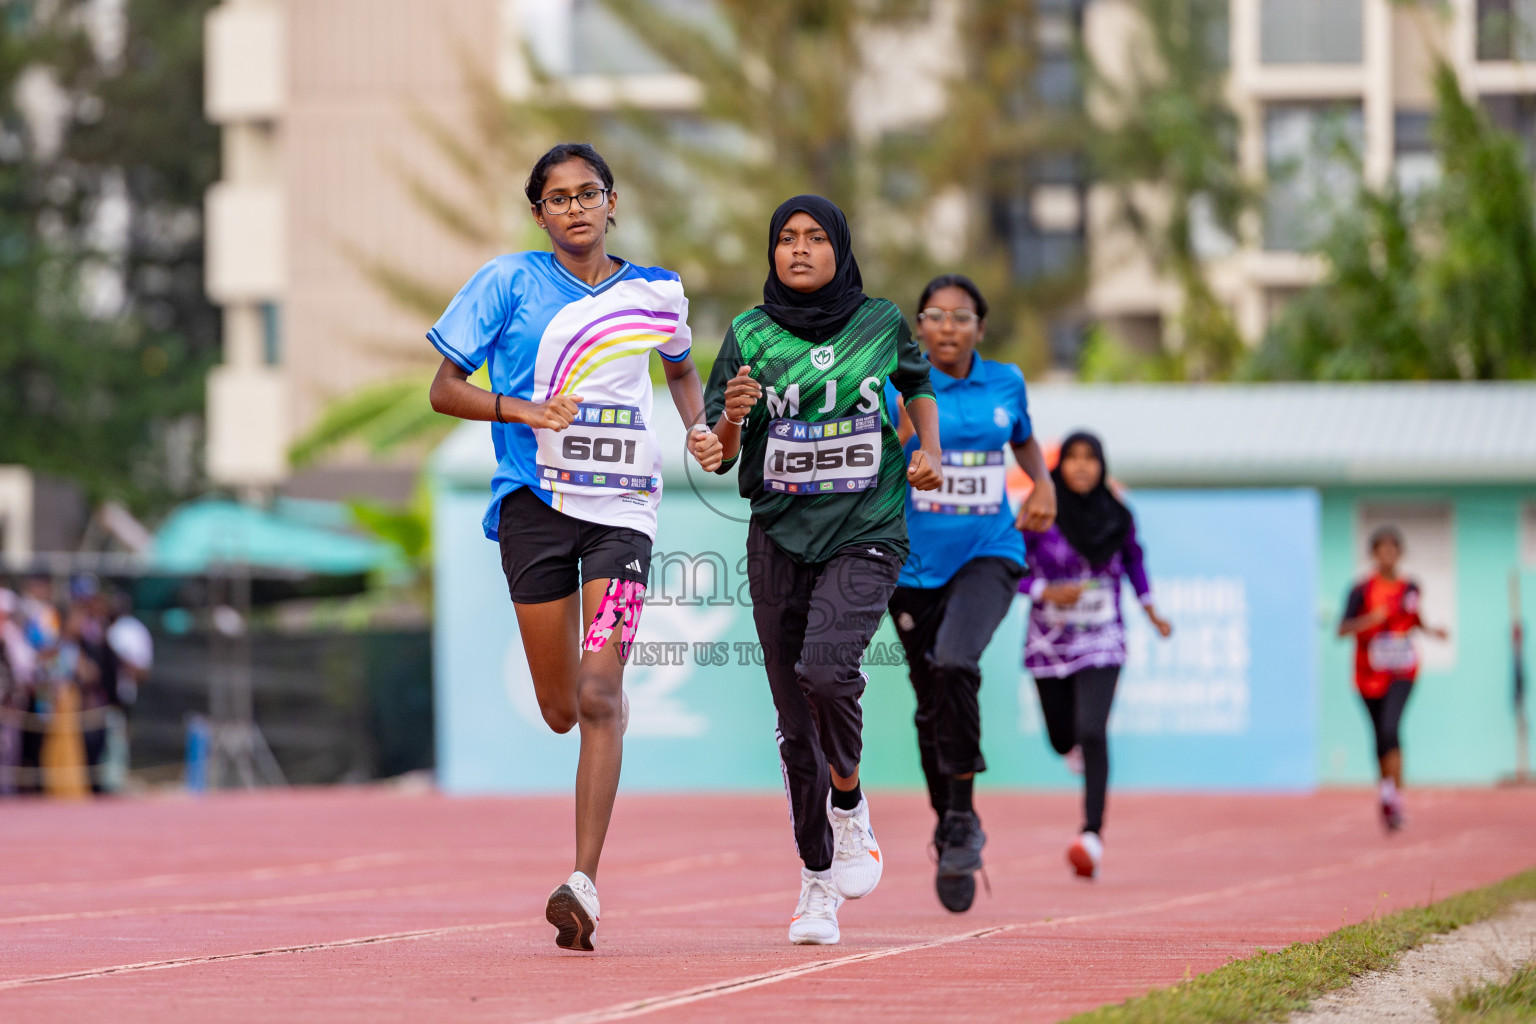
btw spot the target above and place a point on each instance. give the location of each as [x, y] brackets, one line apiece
[541, 332]
[969, 516]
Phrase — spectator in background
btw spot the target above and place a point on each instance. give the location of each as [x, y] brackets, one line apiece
[40, 629]
[135, 650]
[40, 618]
[18, 663]
[95, 668]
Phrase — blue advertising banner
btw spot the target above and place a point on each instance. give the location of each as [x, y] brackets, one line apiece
[1229, 702]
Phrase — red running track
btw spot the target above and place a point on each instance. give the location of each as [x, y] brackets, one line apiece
[370, 905]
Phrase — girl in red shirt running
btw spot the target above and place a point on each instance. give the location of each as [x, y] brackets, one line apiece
[1381, 613]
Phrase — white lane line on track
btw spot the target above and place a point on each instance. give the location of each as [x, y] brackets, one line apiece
[643, 870]
[641, 1007]
[295, 900]
[359, 862]
[367, 940]
[308, 869]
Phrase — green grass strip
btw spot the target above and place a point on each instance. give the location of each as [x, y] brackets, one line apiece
[1270, 986]
[1513, 1002]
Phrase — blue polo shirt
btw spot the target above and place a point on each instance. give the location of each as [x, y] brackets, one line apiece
[979, 413]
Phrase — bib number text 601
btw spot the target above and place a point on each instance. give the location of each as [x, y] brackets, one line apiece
[577, 448]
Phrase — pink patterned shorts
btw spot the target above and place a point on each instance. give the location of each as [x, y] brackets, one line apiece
[619, 609]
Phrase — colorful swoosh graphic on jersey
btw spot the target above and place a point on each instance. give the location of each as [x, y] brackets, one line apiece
[638, 332]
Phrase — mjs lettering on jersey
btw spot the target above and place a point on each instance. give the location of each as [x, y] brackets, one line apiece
[788, 404]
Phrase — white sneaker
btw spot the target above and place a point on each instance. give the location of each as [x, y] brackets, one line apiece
[856, 864]
[574, 911]
[623, 713]
[815, 920]
[1085, 853]
[1073, 759]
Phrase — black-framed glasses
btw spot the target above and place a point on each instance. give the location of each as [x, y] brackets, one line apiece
[961, 317]
[589, 199]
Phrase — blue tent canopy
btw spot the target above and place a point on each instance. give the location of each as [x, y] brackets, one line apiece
[307, 537]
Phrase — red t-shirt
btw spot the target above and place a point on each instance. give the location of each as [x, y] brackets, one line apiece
[1385, 652]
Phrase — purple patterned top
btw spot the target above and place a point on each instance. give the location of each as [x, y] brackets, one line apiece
[1090, 633]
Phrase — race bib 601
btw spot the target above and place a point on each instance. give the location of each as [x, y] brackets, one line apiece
[606, 446]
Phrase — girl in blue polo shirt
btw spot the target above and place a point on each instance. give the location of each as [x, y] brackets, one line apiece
[966, 562]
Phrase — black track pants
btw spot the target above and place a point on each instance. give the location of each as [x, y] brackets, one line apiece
[1076, 711]
[814, 622]
[1386, 714]
[944, 631]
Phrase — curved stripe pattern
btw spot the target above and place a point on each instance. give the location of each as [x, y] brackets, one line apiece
[649, 325]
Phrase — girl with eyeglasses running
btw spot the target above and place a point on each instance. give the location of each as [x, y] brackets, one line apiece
[796, 400]
[966, 562]
[1075, 643]
[566, 337]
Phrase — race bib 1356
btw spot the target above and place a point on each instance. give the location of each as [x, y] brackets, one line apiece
[838, 456]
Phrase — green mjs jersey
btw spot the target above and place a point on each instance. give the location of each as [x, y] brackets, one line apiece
[819, 457]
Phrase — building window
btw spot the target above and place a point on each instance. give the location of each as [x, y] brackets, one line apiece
[1216, 17]
[1414, 163]
[1311, 154]
[1058, 27]
[1429, 557]
[1042, 218]
[271, 334]
[1310, 32]
[1516, 114]
[1057, 82]
[1209, 239]
[602, 44]
[1506, 29]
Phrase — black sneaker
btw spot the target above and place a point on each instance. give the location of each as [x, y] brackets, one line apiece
[956, 892]
[961, 843]
[957, 841]
[1392, 815]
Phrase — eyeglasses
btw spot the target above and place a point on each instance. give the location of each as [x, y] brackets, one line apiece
[961, 317]
[591, 199]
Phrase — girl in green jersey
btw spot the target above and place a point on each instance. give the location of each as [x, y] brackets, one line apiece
[796, 400]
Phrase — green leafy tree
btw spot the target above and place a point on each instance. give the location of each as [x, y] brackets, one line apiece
[1480, 292]
[1437, 286]
[142, 124]
[107, 398]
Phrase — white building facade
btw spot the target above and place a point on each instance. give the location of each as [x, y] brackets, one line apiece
[1362, 68]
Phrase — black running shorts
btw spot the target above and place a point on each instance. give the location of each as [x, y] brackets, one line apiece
[542, 550]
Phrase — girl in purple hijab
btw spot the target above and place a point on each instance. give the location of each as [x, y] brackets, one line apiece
[1075, 644]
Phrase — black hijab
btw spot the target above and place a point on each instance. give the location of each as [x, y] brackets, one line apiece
[1097, 523]
[814, 316]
